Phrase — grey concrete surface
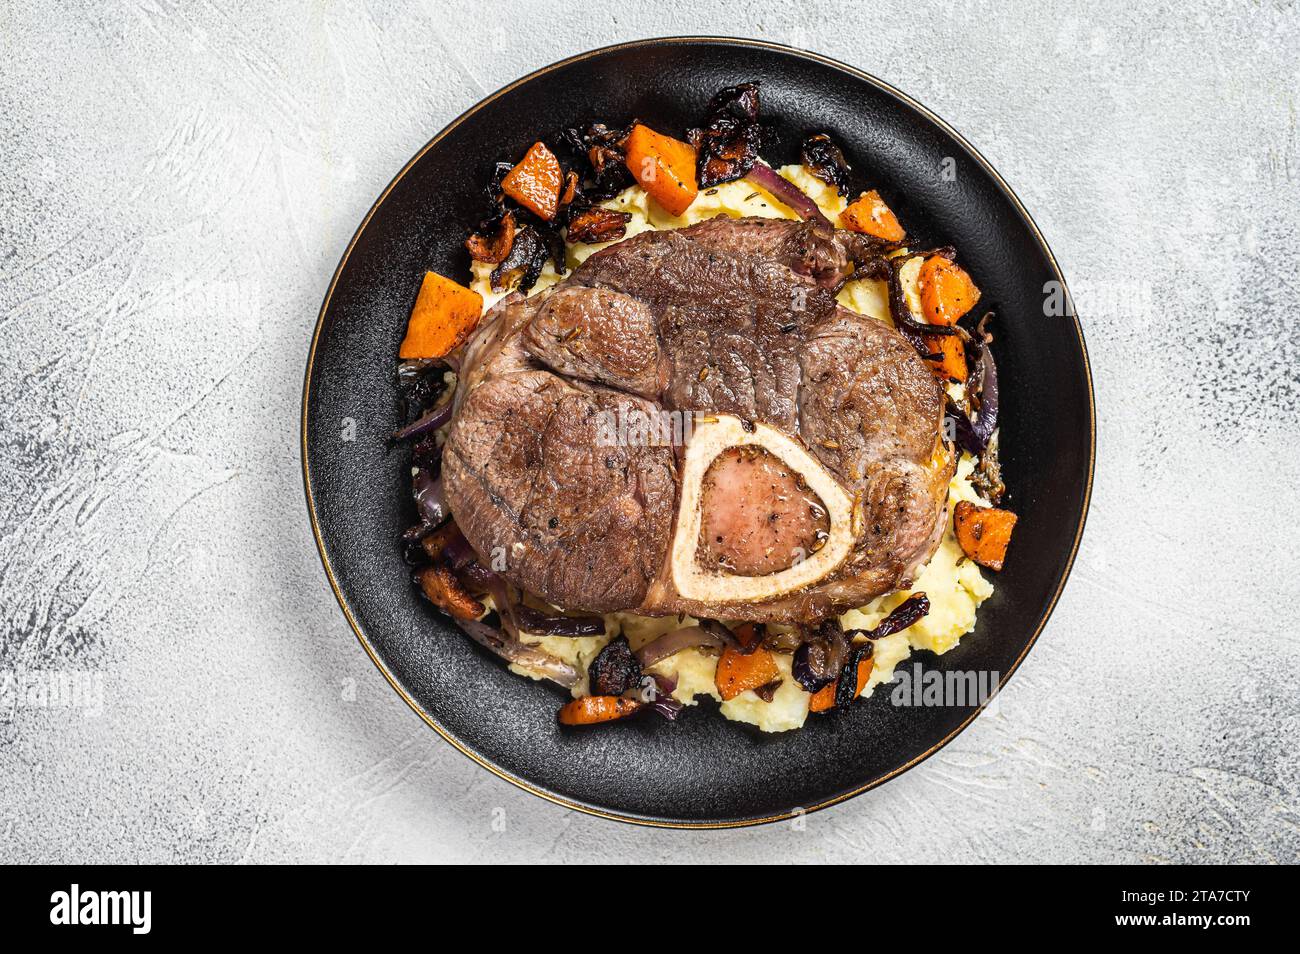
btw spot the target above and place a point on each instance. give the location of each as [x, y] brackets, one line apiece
[177, 182]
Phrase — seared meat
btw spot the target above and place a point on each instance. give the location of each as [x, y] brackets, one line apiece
[813, 479]
[599, 335]
[539, 494]
[730, 324]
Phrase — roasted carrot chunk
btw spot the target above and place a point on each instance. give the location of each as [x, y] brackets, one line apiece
[983, 532]
[951, 363]
[869, 214]
[947, 292]
[738, 671]
[536, 182]
[746, 634]
[445, 592]
[592, 709]
[444, 315]
[664, 167]
[824, 698]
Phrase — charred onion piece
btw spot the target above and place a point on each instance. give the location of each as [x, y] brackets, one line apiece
[846, 689]
[517, 617]
[787, 193]
[961, 428]
[598, 224]
[458, 553]
[476, 575]
[728, 144]
[987, 422]
[599, 152]
[819, 658]
[688, 637]
[554, 243]
[535, 621]
[416, 533]
[910, 611]
[824, 160]
[427, 453]
[738, 103]
[783, 641]
[527, 258]
[447, 539]
[493, 189]
[493, 248]
[615, 670]
[430, 501]
[661, 697]
[665, 685]
[506, 605]
[513, 651]
[903, 615]
[987, 479]
[570, 188]
[420, 382]
[666, 706]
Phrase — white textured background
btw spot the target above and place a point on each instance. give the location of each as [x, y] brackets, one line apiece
[177, 183]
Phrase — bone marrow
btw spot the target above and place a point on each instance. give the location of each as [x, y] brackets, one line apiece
[759, 515]
[716, 441]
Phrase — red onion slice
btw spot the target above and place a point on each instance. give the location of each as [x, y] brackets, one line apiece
[427, 423]
[787, 193]
[557, 670]
[689, 637]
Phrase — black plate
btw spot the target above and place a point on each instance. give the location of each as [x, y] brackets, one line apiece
[702, 770]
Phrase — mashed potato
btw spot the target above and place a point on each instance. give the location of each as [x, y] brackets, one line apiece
[953, 583]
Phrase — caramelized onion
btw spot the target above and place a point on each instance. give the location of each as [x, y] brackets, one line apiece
[728, 145]
[902, 616]
[819, 659]
[822, 157]
[535, 621]
[527, 258]
[493, 247]
[597, 224]
[430, 501]
[911, 610]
